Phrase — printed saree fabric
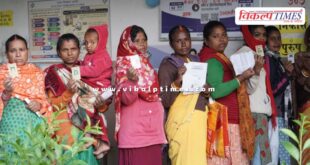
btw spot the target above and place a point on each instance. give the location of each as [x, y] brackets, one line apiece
[217, 131]
[29, 84]
[246, 124]
[148, 80]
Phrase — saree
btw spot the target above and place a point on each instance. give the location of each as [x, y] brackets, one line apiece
[60, 96]
[29, 84]
[217, 131]
[80, 104]
[186, 131]
[147, 75]
[246, 124]
[306, 111]
[16, 119]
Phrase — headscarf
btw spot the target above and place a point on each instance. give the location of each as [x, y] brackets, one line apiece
[147, 75]
[29, 84]
[249, 38]
[252, 42]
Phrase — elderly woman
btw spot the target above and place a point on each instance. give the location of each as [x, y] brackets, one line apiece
[23, 101]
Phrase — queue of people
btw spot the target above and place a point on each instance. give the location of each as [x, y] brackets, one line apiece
[237, 123]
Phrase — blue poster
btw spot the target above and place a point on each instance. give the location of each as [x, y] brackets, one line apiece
[194, 14]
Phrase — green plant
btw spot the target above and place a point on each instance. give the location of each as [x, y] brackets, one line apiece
[42, 147]
[297, 152]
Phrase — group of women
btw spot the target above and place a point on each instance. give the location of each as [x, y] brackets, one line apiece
[238, 123]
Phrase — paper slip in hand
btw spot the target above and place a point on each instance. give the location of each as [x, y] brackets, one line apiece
[291, 58]
[135, 61]
[242, 60]
[194, 77]
[76, 75]
[106, 94]
[259, 50]
[13, 70]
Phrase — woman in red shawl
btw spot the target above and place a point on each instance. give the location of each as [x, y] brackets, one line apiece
[262, 102]
[139, 112]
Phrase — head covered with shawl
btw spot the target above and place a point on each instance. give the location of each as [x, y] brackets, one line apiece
[248, 36]
[146, 74]
[252, 42]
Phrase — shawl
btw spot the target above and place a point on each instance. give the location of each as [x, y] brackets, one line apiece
[29, 84]
[217, 130]
[246, 124]
[54, 82]
[147, 76]
[252, 42]
[249, 38]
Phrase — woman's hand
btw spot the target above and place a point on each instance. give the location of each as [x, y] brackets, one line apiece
[8, 89]
[206, 93]
[289, 67]
[88, 144]
[8, 85]
[181, 72]
[100, 101]
[72, 85]
[34, 106]
[132, 74]
[246, 75]
[259, 64]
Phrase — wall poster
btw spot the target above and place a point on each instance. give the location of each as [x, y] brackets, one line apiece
[194, 14]
[48, 20]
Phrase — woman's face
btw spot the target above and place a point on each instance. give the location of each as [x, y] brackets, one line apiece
[69, 52]
[181, 43]
[140, 42]
[218, 39]
[274, 41]
[260, 33]
[17, 52]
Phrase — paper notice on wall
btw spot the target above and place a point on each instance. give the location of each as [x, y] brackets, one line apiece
[6, 18]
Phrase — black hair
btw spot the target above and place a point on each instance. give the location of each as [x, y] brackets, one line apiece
[90, 31]
[253, 27]
[209, 27]
[307, 38]
[67, 37]
[193, 50]
[135, 30]
[12, 38]
[176, 29]
[269, 30]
